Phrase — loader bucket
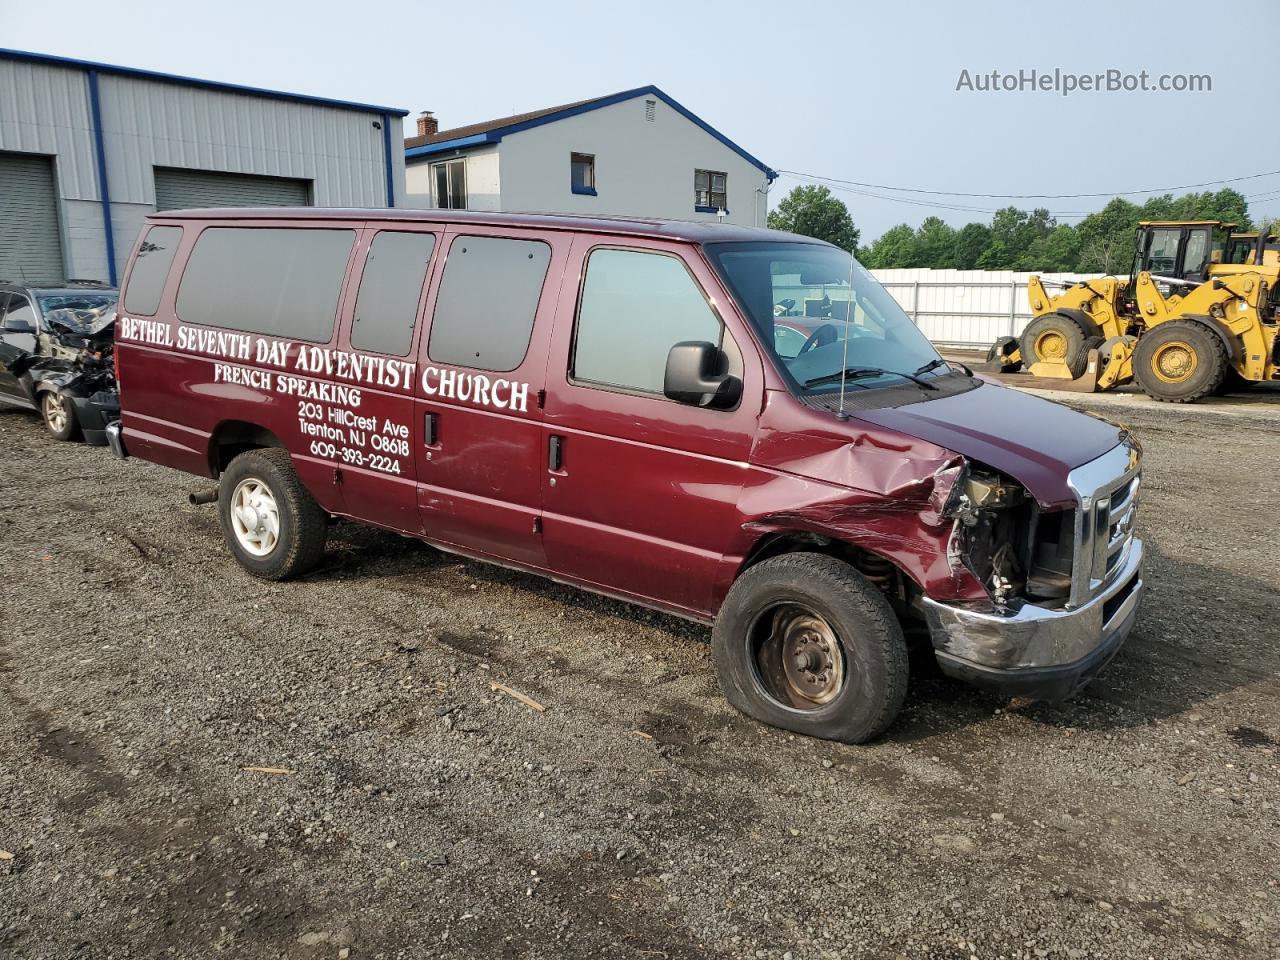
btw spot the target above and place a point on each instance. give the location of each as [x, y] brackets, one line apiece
[1087, 382]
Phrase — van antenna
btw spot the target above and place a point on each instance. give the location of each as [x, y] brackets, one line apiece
[844, 362]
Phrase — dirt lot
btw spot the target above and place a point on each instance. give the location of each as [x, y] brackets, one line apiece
[426, 814]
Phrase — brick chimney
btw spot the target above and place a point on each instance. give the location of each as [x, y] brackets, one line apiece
[428, 125]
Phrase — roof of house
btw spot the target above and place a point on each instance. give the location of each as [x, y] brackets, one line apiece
[45, 58]
[688, 230]
[492, 131]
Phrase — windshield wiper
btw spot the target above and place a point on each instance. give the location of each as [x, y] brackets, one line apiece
[855, 373]
[931, 365]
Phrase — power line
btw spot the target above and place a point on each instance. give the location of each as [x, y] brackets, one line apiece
[842, 185]
[1029, 196]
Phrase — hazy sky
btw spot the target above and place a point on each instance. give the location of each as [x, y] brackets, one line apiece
[849, 90]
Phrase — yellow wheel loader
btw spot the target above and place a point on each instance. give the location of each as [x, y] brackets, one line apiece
[1197, 315]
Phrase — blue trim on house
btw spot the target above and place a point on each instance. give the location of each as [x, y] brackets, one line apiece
[386, 155]
[495, 135]
[583, 191]
[104, 189]
[45, 58]
[698, 209]
[447, 145]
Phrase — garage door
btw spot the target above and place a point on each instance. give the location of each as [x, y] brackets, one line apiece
[30, 247]
[184, 189]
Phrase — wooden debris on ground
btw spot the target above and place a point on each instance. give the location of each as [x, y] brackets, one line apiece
[527, 701]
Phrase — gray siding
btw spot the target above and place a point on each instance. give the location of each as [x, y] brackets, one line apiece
[44, 109]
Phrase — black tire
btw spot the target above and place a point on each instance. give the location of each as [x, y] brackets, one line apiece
[59, 416]
[873, 654]
[1064, 333]
[302, 525]
[1167, 350]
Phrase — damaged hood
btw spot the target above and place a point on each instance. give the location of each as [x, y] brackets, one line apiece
[1033, 440]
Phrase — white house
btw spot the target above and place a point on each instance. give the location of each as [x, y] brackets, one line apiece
[87, 150]
[637, 153]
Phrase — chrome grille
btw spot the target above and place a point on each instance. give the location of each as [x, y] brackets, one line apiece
[1106, 492]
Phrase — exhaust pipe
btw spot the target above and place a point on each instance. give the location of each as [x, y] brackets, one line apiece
[207, 496]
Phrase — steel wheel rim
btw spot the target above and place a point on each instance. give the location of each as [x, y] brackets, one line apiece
[55, 412]
[1051, 345]
[799, 660]
[1175, 361]
[255, 517]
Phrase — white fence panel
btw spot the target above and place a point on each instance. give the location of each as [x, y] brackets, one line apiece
[967, 308]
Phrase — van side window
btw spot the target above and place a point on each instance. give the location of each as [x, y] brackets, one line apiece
[487, 301]
[283, 282]
[635, 307]
[390, 287]
[150, 270]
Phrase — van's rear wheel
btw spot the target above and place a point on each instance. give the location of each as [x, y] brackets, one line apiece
[805, 643]
[272, 525]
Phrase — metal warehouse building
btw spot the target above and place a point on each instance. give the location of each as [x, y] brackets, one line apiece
[87, 150]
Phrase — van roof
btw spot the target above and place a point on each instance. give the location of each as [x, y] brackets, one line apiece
[687, 230]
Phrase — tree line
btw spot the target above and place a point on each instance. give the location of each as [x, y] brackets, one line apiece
[1015, 239]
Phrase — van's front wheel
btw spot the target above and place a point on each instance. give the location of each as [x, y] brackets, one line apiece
[272, 525]
[804, 642]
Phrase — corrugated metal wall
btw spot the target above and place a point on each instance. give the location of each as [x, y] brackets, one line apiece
[45, 110]
[967, 308]
[148, 124]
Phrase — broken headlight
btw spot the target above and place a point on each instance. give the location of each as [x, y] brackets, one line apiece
[992, 515]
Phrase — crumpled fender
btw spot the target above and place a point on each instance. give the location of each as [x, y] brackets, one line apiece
[862, 484]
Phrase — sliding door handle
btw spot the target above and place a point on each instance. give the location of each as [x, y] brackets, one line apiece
[429, 429]
[555, 455]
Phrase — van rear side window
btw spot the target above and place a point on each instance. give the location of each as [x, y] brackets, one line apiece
[150, 269]
[487, 301]
[279, 282]
[390, 287]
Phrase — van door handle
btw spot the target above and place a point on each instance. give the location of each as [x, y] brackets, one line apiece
[429, 430]
[554, 454]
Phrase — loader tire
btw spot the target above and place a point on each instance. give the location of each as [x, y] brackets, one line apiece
[1055, 337]
[1179, 362]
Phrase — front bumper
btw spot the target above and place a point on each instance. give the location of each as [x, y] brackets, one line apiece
[1032, 651]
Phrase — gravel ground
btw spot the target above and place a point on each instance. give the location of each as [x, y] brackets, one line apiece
[425, 813]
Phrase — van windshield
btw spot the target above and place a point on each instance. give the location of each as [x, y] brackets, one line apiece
[799, 296]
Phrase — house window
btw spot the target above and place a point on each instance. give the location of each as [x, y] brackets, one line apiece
[582, 173]
[710, 191]
[451, 184]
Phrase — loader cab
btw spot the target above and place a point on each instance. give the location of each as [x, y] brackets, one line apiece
[1177, 253]
[1242, 248]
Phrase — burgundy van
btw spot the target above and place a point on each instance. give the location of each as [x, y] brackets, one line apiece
[611, 403]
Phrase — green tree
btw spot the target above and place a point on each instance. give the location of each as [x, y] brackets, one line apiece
[896, 247]
[814, 212]
[1055, 252]
[971, 241]
[1013, 233]
[935, 244]
[1106, 237]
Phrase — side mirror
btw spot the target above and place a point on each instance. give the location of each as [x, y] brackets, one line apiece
[693, 376]
[19, 326]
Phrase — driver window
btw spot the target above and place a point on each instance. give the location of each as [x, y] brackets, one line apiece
[1162, 255]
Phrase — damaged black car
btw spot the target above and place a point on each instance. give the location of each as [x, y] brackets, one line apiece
[56, 356]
